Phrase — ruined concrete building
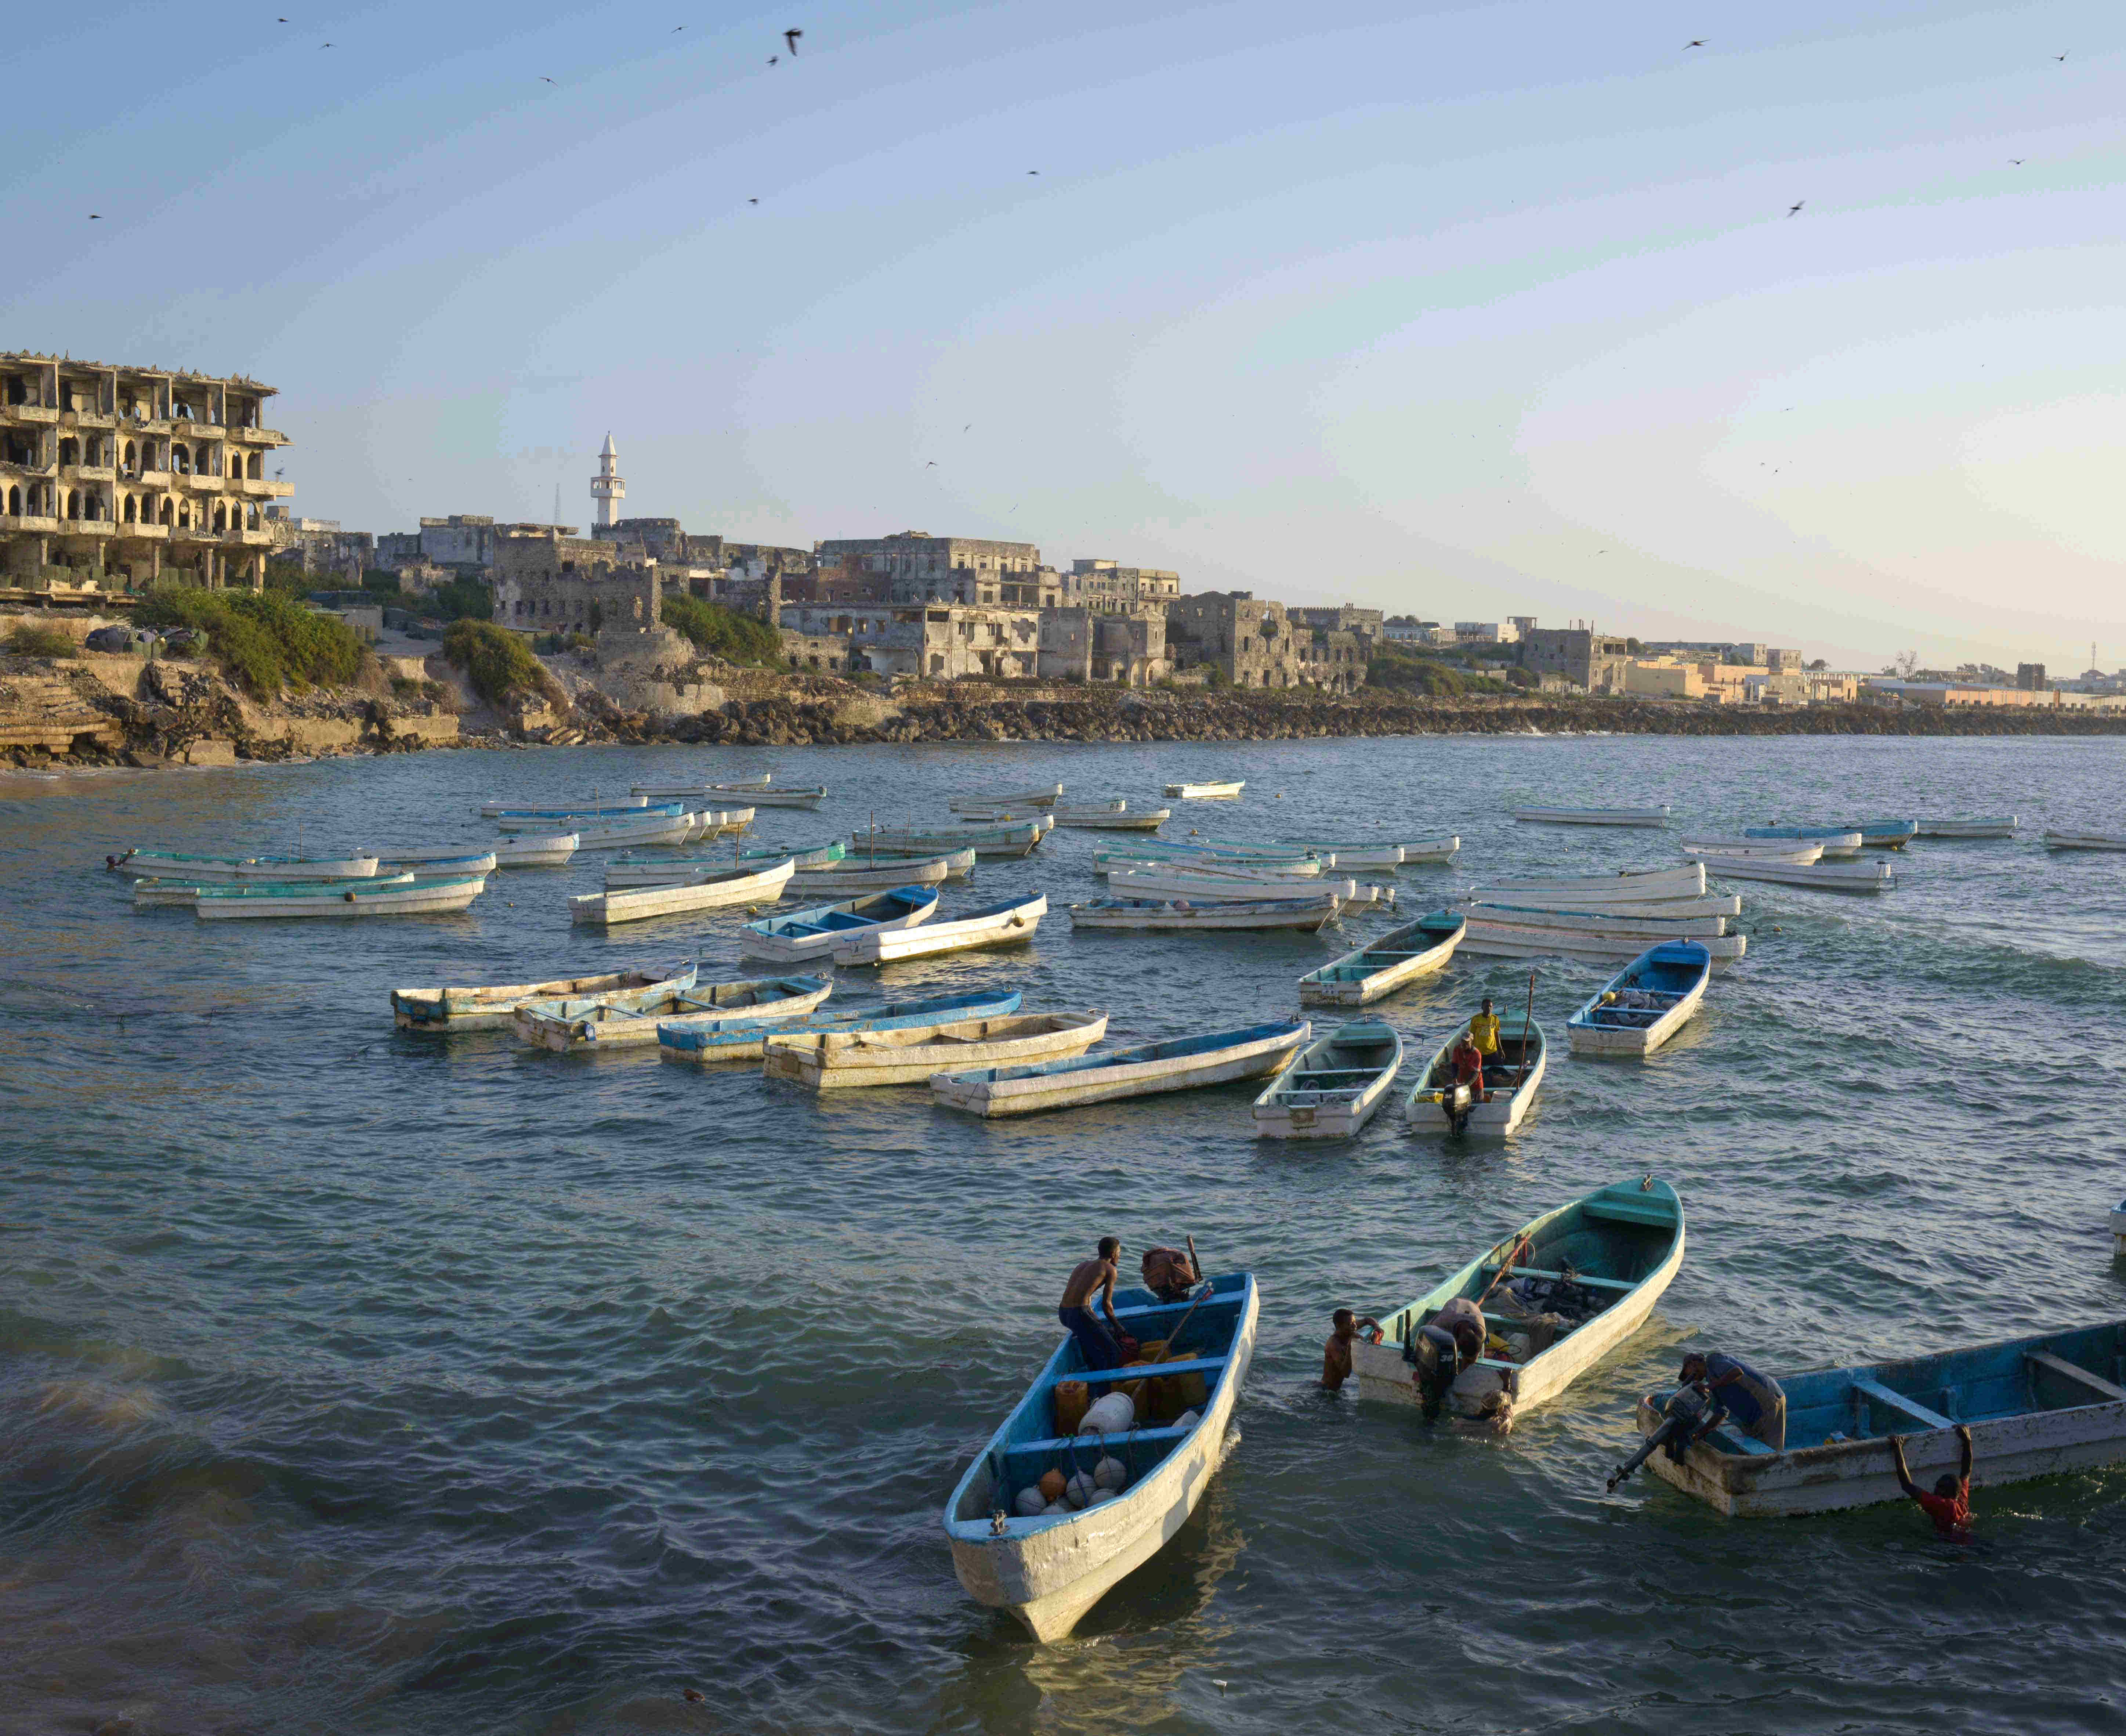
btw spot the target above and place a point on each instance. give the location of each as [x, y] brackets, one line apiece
[319, 546]
[1119, 590]
[119, 476]
[928, 641]
[926, 568]
[546, 582]
[1256, 644]
[1083, 644]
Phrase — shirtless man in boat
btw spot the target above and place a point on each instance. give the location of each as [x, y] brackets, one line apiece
[1336, 1353]
[1949, 1505]
[1104, 1346]
[1756, 1402]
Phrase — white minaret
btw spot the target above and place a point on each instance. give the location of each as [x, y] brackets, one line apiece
[605, 486]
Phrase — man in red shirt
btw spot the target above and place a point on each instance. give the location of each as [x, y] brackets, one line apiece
[1949, 1505]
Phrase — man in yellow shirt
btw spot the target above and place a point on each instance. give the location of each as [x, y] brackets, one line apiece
[1484, 1032]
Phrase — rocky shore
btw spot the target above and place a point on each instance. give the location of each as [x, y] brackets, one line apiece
[118, 710]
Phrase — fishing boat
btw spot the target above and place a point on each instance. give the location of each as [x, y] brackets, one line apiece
[411, 898]
[1628, 886]
[846, 879]
[1885, 835]
[1511, 1079]
[1040, 795]
[1048, 1567]
[1188, 882]
[2002, 827]
[592, 809]
[1164, 852]
[2036, 1406]
[552, 850]
[1586, 1276]
[176, 866]
[1398, 958]
[539, 819]
[170, 894]
[1218, 790]
[1333, 1086]
[2085, 840]
[1713, 903]
[1604, 919]
[1593, 815]
[446, 859]
[679, 868]
[965, 814]
[805, 855]
[749, 886]
[1187, 915]
[783, 796]
[1797, 851]
[707, 1046]
[1010, 923]
[1645, 1004]
[1839, 842]
[828, 1060]
[1504, 938]
[1118, 816]
[721, 822]
[632, 835]
[1180, 1064]
[814, 934]
[996, 840]
[1381, 853]
[1827, 876]
[590, 1025]
[447, 1010]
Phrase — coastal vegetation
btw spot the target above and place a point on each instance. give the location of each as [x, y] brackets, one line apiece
[265, 639]
[719, 632]
[40, 641]
[498, 663]
[1399, 670]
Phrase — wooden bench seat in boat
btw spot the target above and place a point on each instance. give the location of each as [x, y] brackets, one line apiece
[1205, 1365]
[1734, 1441]
[1159, 1436]
[1619, 1285]
[1865, 1387]
[2103, 1390]
[1618, 1209]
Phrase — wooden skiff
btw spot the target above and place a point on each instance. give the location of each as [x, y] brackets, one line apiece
[450, 1009]
[1188, 915]
[1399, 958]
[1181, 1064]
[701, 1045]
[1511, 1079]
[1334, 1085]
[830, 1061]
[1011, 923]
[173, 865]
[1593, 815]
[1645, 1004]
[815, 933]
[577, 1027]
[749, 886]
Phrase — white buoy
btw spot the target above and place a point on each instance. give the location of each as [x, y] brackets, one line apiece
[1080, 1490]
[1187, 1420]
[1099, 1496]
[1116, 1414]
[1032, 1503]
[1112, 1474]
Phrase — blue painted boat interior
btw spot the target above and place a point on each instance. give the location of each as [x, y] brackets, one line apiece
[1515, 1042]
[1393, 948]
[828, 919]
[1178, 1049]
[890, 1015]
[1611, 1240]
[1344, 1063]
[1027, 1445]
[1663, 974]
[2021, 1377]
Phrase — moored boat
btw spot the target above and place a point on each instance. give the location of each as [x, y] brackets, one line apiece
[1036, 796]
[1180, 1064]
[1049, 1563]
[707, 1046]
[1626, 885]
[1215, 790]
[1398, 957]
[593, 809]
[1645, 1004]
[1512, 1077]
[2085, 840]
[1178, 881]
[1586, 1275]
[1828, 876]
[1380, 852]
[1118, 816]
[591, 1026]
[1885, 835]
[2036, 1406]
[1182, 916]
[879, 874]
[552, 849]
[1009, 922]
[449, 1010]
[1593, 815]
[749, 885]
[1335, 1085]
[1162, 852]
[828, 1061]
[175, 865]
[2003, 826]
[995, 840]
[170, 894]
[780, 796]
[1601, 919]
[1798, 851]
[805, 855]
[656, 828]
[1670, 910]
[448, 859]
[411, 897]
[540, 819]
[814, 933]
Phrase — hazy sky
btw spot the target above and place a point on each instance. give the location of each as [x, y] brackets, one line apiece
[1463, 310]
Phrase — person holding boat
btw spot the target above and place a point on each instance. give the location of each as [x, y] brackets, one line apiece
[1336, 1353]
[1949, 1505]
[1756, 1402]
[1107, 1347]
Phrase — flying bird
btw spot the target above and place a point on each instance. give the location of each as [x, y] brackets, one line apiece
[2018, 161]
[1695, 42]
[1033, 171]
[773, 58]
[964, 430]
[1794, 210]
[549, 81]
[752, 201]
[676, 28]
[2059, 57]
[790, 37]
[931, 465]
[96, 216]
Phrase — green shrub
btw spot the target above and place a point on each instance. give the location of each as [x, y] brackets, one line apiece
[40, 641]
[720, 632]
[496, 661]
[266, 639]
[463, 599]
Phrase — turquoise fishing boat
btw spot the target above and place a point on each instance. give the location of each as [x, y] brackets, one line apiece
[708, 1045]
[2036, 1406]
[1645, 1003]
[1399, 958]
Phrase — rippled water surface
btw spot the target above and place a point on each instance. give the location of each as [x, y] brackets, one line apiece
[354, 1381]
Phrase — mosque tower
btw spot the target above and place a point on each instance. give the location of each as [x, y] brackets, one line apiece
[606, 486]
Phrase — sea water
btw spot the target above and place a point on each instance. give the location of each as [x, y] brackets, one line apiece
[356, 1380]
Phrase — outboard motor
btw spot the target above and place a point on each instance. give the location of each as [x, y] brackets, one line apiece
[1434, 1360]
[1688, 1413]
[1457, 1100]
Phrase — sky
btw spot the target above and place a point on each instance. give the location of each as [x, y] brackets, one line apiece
[1458, 310]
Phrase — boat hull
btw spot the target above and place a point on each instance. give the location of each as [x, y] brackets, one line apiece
[553, 850]
[1644, 885]
[437, 898]
[610, 910]
[1592, 1031]
[1320, 988]
[1495, 1119]
[848, 1061]
[701, 1047]
[448, 1010]
[568, 1028]
[1650, 816]
[1182, 916]
[1826, 877]
[1010, 927]
[1288, 1110]
[2084, 841]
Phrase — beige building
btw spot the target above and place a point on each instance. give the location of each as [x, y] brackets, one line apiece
[548, 582]
[1084, 644]
[1253, 643]
[120, 477]
[926, 568]
[1117, 590]
[924, 641]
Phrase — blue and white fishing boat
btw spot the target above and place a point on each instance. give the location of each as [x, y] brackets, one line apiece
[408, 897]
[1125, 1491]
[2036, 1406]
[456, 859]
[705, 1046]
[1512, 1077]
[814, 933]
[597, 1026]
[493, 1007]
[1583, 1279]
[805, 855]
[1399, 958]
[635, 807]
[1888, 835]
[1332, 1089]
[1018, 839]
[1645, 1003]
[175, 865]
[1183, 1064]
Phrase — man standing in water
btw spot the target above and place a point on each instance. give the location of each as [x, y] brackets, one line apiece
[1336, 1353]
[1756, 1402]
[1949, 1505]
[1103, 1345]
